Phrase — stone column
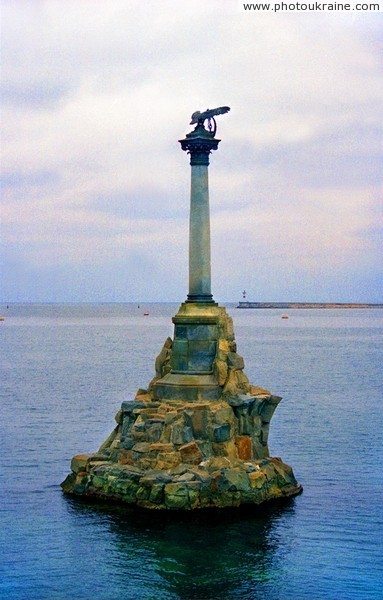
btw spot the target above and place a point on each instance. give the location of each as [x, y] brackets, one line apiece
[199, 143]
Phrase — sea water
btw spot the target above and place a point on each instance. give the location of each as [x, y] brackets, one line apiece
[65, 369]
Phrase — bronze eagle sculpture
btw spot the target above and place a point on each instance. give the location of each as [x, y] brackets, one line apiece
[210, 113]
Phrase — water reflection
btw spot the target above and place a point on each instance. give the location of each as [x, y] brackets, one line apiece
[209, 555]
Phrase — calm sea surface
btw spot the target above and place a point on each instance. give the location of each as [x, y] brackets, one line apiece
[65, 369]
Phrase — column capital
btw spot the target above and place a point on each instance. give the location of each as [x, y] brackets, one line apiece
[199, 143]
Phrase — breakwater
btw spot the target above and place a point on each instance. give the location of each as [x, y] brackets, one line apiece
[284, 305]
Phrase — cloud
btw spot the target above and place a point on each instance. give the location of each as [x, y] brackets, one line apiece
[96, 96]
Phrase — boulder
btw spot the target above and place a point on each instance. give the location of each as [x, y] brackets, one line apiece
[190, 453]
[79, 462]
[244, 447]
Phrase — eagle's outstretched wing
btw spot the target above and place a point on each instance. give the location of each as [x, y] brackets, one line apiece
[221, 110]
[208, 114]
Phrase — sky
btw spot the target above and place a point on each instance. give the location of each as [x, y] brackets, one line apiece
[95, 187]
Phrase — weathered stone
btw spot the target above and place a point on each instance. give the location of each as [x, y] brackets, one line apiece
[126, 424]
[201, 474]
[251, 467]
[143, 396]
[68, 484]
[245, 421]
[268, 407]
[231, 387]
[196, 418]
[165, 436]
[141, 448]
[238, 480]
[241, 400]
[158, 447]
[225, 448]
[139, 424]
[220, 371]
[118, 417]
[181, 469]
[242, 381]
[131, 472]
[156, 493]
[153, 431]
[79, 462]
[121, 487]
[223, 348]
[217, 463]
[229, 326]
[146, 462]
[257, 424]
[163, 358]
[203, 332]
[186, 477]
[98, 482]
[129, 406]
[201, 354]
[125, 457]
[217, 482]
[155, 476]
[143, 493]
[176, 495]
[127, 443]
[269, 469]
[194, 488]
[137, 436]
[264, 433]
[167, 460]
[80, 484]
[181, 434]
[170, 417]
[257, 479]
[284, 471]
[205, 447]
[257, 391]
[97, 463]
[222, 433]
[244, 447]
[190, 453]
[235, 361]
[259, 450]
[141, 392]
[223, 415]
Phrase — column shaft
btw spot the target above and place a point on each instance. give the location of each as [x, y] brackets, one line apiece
[199, 237]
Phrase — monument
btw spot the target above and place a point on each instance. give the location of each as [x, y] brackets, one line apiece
[197, 436]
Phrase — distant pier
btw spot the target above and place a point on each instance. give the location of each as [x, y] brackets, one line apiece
[284, 305]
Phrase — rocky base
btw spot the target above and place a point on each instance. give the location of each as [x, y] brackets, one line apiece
[197, 437]
[218, 482]
[185, 456]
